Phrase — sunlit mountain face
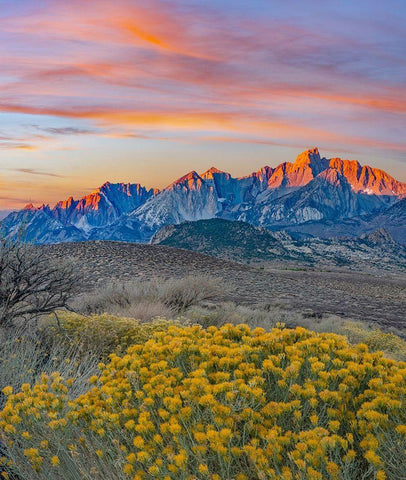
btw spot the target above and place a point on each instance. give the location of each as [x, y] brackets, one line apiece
[148, 90]
[291, 195]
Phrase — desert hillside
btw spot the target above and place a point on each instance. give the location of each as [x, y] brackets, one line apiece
[375, 298]
[239, 241]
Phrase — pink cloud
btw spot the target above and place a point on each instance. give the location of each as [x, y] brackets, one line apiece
[154, 65]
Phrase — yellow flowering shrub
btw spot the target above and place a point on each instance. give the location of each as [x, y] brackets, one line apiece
[392, 345]
[103, 333]
[219, 403]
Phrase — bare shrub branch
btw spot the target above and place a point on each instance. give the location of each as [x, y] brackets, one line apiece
[182, 293]
[31, 284]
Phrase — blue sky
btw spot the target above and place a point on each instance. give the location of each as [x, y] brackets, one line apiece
[146, 91]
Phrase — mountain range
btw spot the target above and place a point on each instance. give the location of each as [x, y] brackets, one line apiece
[311, 196]
[242, 242]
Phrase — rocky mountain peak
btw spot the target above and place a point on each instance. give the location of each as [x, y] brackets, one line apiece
[66, 204]
[310, 159]
[368, 180]
[208, 174]
[308, 156]
[44, 207]
[190, 180]
[263, 174]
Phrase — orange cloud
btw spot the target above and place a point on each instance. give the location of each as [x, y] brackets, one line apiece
[155, 65]
[249, 128]
[17, 146]
[220, 61]
[143, 35]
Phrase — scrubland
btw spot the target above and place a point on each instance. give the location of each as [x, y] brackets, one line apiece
[155, 379]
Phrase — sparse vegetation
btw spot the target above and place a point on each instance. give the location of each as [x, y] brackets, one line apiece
[148, 299]
[362, 297]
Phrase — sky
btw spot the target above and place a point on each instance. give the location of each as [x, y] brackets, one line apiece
[146, 91]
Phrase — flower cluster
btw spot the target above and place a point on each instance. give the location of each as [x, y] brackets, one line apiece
[228, 403]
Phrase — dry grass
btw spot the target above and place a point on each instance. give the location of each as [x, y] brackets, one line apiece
[145, 300]
[26, 354]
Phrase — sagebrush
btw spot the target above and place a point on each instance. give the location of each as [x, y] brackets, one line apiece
[148, 299]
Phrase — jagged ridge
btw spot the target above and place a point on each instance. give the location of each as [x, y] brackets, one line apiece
[310, 189]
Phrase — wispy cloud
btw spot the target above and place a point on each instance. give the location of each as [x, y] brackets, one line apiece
[33, 171]
[66, 130]
[17, 146]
